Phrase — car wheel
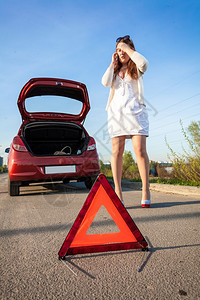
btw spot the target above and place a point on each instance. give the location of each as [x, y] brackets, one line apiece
[65, 180]
[13, 188]
[89, 182]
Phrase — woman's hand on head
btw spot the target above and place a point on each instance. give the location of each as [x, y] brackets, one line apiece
[123, 46]
[115, 58]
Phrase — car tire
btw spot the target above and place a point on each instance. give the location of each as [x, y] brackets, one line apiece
[13, 188]
[65, 180]
[89, 182]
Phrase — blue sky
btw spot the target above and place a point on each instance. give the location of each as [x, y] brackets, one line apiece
[75, 40]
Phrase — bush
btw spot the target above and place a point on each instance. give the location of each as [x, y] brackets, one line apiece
[187, 166]
[105, 169]
[129, 168]
[4, 169]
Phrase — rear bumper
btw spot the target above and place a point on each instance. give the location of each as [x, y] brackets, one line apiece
[32, 169]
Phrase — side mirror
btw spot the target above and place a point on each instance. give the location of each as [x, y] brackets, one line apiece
[7, 150]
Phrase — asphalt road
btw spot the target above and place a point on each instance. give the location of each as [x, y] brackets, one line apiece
[35, 224]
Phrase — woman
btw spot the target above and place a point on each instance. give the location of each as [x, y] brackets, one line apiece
[127, 115]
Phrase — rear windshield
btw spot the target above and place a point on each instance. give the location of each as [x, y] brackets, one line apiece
[51, 99]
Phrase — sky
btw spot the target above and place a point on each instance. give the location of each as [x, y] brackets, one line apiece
[76, 39]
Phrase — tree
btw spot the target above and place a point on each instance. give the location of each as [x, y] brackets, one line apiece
[102, 166]
[129, 168]
[105, 169]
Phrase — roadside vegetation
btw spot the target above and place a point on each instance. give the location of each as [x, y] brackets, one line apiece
[186, 167]
[184, 170]
[3, 169]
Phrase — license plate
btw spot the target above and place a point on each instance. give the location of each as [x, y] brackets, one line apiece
[60, 169]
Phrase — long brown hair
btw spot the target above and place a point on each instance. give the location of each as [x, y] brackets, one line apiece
[132, 69]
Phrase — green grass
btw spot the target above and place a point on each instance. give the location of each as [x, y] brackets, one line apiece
[163, 181]
[168, 181]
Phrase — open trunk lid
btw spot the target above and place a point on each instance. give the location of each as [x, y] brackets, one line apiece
[42, 88]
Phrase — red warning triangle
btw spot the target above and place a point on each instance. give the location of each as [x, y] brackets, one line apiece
[127, 237]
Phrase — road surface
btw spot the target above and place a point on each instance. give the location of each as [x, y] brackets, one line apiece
[35, 224]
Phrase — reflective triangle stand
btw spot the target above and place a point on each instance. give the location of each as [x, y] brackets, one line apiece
[78, 241]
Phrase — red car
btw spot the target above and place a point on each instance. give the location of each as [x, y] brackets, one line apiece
[52, 145]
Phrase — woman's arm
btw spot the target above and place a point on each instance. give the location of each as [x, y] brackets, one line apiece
[108, 77]
[140, 61]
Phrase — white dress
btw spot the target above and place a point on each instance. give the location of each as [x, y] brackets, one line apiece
[126, 116]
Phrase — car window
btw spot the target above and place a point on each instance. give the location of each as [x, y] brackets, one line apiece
[53, 104]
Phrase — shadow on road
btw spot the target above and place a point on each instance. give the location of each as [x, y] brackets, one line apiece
[53, 188]
[167, 204]
[152, 250]
[66, 227]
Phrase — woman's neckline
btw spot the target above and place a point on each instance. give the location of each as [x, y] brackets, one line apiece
[122, 69]
[123, 77]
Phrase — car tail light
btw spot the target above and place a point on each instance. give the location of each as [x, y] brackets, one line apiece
[91, 145]
[18, 144]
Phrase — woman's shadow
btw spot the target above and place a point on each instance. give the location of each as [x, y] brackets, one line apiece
[167, 204]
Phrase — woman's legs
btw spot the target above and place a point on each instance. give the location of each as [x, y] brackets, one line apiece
[116, 163]
[139, 145]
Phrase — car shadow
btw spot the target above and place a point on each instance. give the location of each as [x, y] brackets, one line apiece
[53, 188]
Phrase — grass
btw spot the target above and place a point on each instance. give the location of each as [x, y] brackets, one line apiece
[164, 181]
[168, 181]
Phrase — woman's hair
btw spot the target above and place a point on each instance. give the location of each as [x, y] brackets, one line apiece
[132, 69]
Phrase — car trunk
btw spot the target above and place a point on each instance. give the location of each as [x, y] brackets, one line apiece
[54, 138]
